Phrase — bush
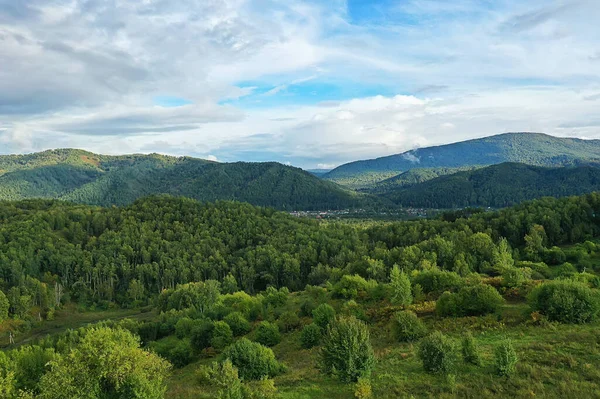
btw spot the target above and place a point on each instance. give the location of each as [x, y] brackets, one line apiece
[311, 336]
[267, 334]
[438, 353]
[225, 377]
[201, 335]
[238, 323]
[566, 301]
[288, 321]
[307, 308]
[221, 335]
[323, 315]
[352, 308]
[408, 327]
[260, 389]
[181, 354]
[400, 286]
[505, 358]
[347, 352]
[351, 287]
[470, 352]
[436, 280]
[276, 298]
[477, 300]
[184, 327]
[253, 360]
[363, 389]
[515, 277]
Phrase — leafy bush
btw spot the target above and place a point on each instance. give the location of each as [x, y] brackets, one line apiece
[515, 277]
[363, 389]
[201, 335]
[253, 360]
[260, 389]
[505, 358]
[276, 298]
[181, 354]
[477, 300]
[438, 353]
[225, 376]
[238, 323]
[267, 334]
[184, 327]
[351, 287]
[323, 315]
[408, 327]
[310, 336]
[436, 280]
[470, 352]
[347, 352]
[352, 308]
[221, 335]
[566, 301]
[288, 321]
[400, 287]
[307, 307]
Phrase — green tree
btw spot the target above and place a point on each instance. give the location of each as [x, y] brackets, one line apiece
[408, 327]
[323, 315]
[401, 288]
[470, 351]
[253, 360]
[4, 306]
[566, 301]
[347, 352]
[438, 353]
[221, 335]
[310, 336]
[505, 358]
[267, 334]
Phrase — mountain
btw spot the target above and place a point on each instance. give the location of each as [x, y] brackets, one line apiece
[498, 186]
[88, 178]
[529, 148]
[411, 177]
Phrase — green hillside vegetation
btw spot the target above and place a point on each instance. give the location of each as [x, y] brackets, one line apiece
[87, 178]
[412, 177]
[498, 186]
[529, 148]
[253, 303]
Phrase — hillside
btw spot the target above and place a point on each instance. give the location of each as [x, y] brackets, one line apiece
[87, 178]
[498, 186]
[411, 177]
[529, 148]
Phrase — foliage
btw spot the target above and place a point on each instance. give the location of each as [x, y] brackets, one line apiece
[438, 353]
[239, 325]
[347, 353]
[288, 321]
[310, 336]
[253, 360]
[505, 358]
[363, 389]
[401, 288]
[476, 300]
[436, 280]
[202, 335]
[224, 375]
[353, 286]
[323, 315]
[222, 335]
[407, 327]
[566, 301]
[260, 389]
[4, 306]
[470, 351]
[267, 334]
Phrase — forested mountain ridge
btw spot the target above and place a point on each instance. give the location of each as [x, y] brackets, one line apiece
[530, 148]
[498, 186]
[88, 178]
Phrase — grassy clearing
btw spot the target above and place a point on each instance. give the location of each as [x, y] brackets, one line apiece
[555, 361]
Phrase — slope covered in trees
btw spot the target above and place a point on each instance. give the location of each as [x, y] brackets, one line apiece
[529, 148]
[498, 186]
[83, 177]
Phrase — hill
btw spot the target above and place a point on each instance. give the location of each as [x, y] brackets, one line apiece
[498, 186]
[411, 177]
[530, 148]
[88, 178]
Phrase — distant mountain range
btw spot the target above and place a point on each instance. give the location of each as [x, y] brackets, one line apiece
[497, 186]
[528, 148]
[84, 177]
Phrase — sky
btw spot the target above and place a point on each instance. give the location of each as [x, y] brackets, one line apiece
[311, 83]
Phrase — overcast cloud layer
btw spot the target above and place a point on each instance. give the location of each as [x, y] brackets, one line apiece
[311, 83]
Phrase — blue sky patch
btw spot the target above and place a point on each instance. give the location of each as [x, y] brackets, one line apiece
[171, 101]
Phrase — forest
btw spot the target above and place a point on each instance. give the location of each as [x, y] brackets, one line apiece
[239, 301]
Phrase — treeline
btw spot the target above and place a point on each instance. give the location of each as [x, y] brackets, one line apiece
[53, 252]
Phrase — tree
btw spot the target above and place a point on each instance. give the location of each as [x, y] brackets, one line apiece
[401, 288]
[4, 306]
[253, 360]
[238, 323]
[136, 290]
[106, 363]
[310, 336]
[229, 285]
[268, 334]
[566, 301]
[347, 352]
[407, 326]
[323, 315]
[470, 352]
[221, 335]
[505, 358]
[438, 353]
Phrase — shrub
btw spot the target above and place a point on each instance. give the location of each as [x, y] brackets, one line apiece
[311, 336]
[470, 352]
[400, 286]
[267, 334]
[566, 301]
[505, 358]
[288, 321]
[514, 277]
[181, 354]
[238, 323]
[351, 287]
[438, 353]
[184, 327]
[323, 315]
[307, 307]
[276, 298]
[221, 335]
[260, 389]
[347, 352]
[477, 300]
[436, 280]
[253, 360]
[352, 308]
[225, 376]
[201, 335]
[408, 327]
[363, 389]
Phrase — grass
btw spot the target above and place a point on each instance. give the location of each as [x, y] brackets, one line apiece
[555, 361]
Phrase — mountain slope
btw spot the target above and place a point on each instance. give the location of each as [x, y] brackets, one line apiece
[411, 177]
[83, 177]
[529, 148]
[498, 186]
